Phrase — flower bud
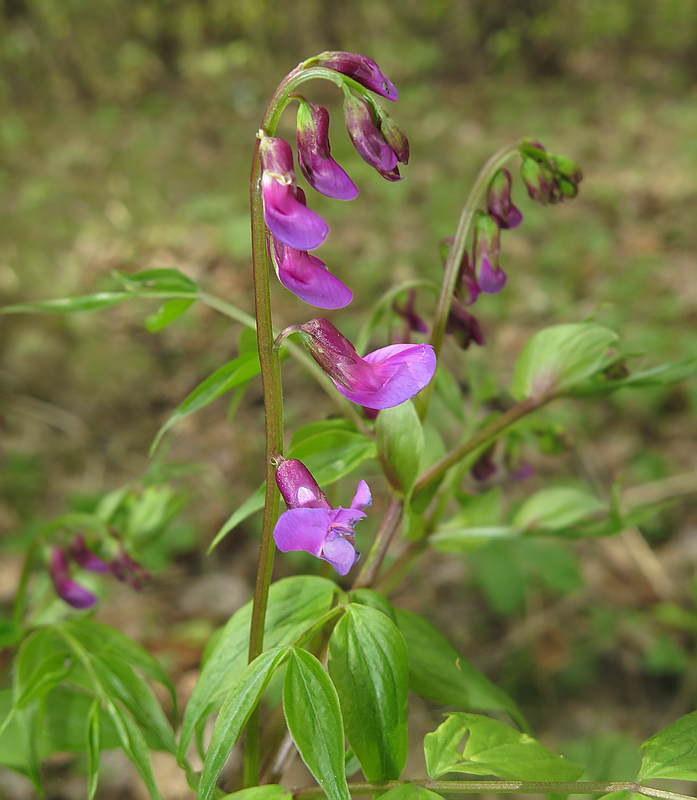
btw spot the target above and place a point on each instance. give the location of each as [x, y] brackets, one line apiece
[362, 69]
[466, 288]
[412, 321]
[298, 487]
[394, 136]
[540, 182]
[85, 558]
[487, 243]
[498, 201]
[463, 327]
[319, 168]
[367, 138]
[66, 588]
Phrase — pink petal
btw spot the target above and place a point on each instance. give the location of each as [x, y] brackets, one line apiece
[288, 218]
[340, 553]
[328, 177]
[489, 281]
[363, 497]
[308, 278]
[302, 529]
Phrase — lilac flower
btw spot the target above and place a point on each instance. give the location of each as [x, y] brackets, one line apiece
[487, 243]
[363, 70]
[368, 139]
[382, 379]
[311, 524]
[319, 168]
[285, 212]
[85, 558]
[66, 588]
[308, 277]
[463, 327]
[498, 201]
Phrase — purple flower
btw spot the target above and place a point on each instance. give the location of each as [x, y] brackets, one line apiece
[128, 570]
[498, 201]
[308, 277]
[319, 168]
[466, 287]
[463, 327]
[66, 588]
[484, 467]
[285, 212]
[311, 524]
[382, 379]
[85, 558]
[412, 321]
[363, 70]
[487, 243]
[367, 138]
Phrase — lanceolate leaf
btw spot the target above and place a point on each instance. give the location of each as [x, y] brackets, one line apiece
[672, 752]
[70, 305]
[294, 605]
[150, 281]
[557, 508]
[492, 748]
[368, 666]
[93, 748]
[167, 313]
[311, 707]
[241, 700]
[438, 672]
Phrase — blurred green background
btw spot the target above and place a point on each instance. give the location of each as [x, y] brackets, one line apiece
[126, 133]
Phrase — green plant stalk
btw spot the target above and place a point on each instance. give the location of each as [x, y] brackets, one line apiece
[381, 544]
[480, 787]
[457, 251]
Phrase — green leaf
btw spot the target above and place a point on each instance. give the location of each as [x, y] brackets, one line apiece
[368, 666]
[672, 752]
[449, 392]
[151, 281]
[556, 358]
[492, 748]
[312, 712]
[557, 508]
[294, 605]
[235, 372]
[450, 538]
[373, 599]
[43, 662]
[321, 426]
[251, 505]
[167, 313]
[270, 791]
[10, 633]
[70, 305]
[240, 701]
[331, 454]
[438, 672]
[400, 441]
[93, 748]
[662, 375]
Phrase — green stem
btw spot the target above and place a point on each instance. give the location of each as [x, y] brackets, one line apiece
[381, 544]
[457, 251]
[479, 787]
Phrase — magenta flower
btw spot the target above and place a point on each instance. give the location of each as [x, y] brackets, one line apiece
[487, 243]
[363, 70]
[498, 201]
[314, 157]
[308, 277]
[367, 138]
[311, 524]
[128, 570]
[285, 212]
[382, 379]
[66, 588]
[85, 558]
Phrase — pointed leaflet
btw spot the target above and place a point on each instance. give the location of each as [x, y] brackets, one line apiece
[294, 605]
[93, 748]
[438, 672]
[241, 700]
[672, 752]
[492, 748]
[311, 707]
[368, 666]
[400, 442]
[558, 507]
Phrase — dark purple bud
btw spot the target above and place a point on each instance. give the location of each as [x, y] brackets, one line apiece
[463, 327]
[487, 243]
[363, 70]
[128, 570]
[412, 321]
[367, 138]
[285, 212]
[484, 467]
[319, 168]
[466, 288]
[85, 558]
[498, 201]
[66, 588]
[296, 484]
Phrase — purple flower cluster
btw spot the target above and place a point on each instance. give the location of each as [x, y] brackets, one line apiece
[121, 565]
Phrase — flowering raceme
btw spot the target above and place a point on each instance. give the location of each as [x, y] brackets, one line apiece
[362, 69]
[310, 523]
[381, 379]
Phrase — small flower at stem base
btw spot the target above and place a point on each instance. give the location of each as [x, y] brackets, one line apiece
[362, 69]
[381, 379]
[487, 244]
[314, 156]
[66, 588]
[311, 524]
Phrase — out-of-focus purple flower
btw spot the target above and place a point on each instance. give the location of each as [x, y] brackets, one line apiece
[549, 179]
[313, 525]
[412, 321]
[382, 379]
[127, 570]
[498, 201]
[85, 558]
[367, 138]
[487, 243]
[484, 467]
[308, 277]
[362, 69]
[466, 287]
[66, 588]
[314, 154]
[286, 214]
[463, 326]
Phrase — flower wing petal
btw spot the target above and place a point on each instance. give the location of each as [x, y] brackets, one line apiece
[288, 218]
[302, 529]
[309, 279]
[340, 553]
[363, 497]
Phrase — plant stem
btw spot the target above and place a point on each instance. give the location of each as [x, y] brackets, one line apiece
[457, 251]
[381, 544]
[478, 787]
